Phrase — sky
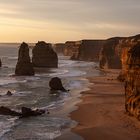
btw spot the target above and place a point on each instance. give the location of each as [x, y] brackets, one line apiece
[62, 20]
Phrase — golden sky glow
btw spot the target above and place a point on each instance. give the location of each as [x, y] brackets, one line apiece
[62, 20]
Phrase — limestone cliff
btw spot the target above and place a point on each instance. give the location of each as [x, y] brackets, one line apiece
[24, 65]
[132, 81]
[69, 47]
[110, 55]
[87, 50]
[130, 57]
[59, 48]
[44, 55]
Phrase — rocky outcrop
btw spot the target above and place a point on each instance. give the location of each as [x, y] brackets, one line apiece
[44, 55]
[59, 48]
[24, 65]
[69, 47]
[87, 50]
[0, 63]
[110, 55]
[131, 74]
[56, 84]
[25, 112]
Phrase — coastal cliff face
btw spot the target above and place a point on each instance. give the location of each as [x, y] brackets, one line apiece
[131, 74]
[110, 55]
[44, 55]
[0, 63]
[59, 48]
[69, 47]
[24, 65]
[87, 50]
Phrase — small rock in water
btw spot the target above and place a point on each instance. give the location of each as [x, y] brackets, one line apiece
[56, 84]
[9, 93]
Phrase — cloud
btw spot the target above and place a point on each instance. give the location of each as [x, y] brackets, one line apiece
[90, 17]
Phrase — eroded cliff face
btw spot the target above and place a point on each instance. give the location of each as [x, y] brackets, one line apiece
[110, 55]
[24, 65]
[69, 48]
[44, 55]
[59, 48]
[87, 50]
[131, 74]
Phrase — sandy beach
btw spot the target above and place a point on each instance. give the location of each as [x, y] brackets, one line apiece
[101, 114]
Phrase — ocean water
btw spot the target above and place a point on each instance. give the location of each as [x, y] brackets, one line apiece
[34, 92]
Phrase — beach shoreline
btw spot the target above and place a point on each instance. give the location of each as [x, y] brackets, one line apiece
[101, 113]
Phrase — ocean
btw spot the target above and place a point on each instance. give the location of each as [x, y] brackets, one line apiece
[34, 92]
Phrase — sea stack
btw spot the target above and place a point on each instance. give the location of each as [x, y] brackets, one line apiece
[24, 65]
[44, 55]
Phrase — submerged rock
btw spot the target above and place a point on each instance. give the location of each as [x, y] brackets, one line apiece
[24, 65]
[44, 55]
[56, 84]
[25, 112]
[7, 111]
[9, 93]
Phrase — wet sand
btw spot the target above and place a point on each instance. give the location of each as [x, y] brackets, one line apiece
[101, 114]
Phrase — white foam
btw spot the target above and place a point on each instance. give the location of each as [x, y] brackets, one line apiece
[32, 78]
[6, 125]
[13, 58]
[10, 80]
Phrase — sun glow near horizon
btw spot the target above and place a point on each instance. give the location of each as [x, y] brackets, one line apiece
[55, 21]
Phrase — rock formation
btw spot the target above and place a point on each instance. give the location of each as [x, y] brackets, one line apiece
[131, 73]
[56, 84]
[110, 55]
[69, 47]
[87, 50]
[7, 111]
[0, 63]
[126, 50]
[44, 55]
[24, 65]
[9, 93]
[59, 48]
[25, 112]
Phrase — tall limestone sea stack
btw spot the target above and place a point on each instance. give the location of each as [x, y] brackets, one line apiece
[44, 55]
[24, 65]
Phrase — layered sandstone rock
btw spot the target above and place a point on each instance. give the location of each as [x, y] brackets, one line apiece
[69, 48]
[24, 65]
[131, 73]
[44, 55]
[87, 50]
[59, 48]
[132, 81]
[110, 55]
